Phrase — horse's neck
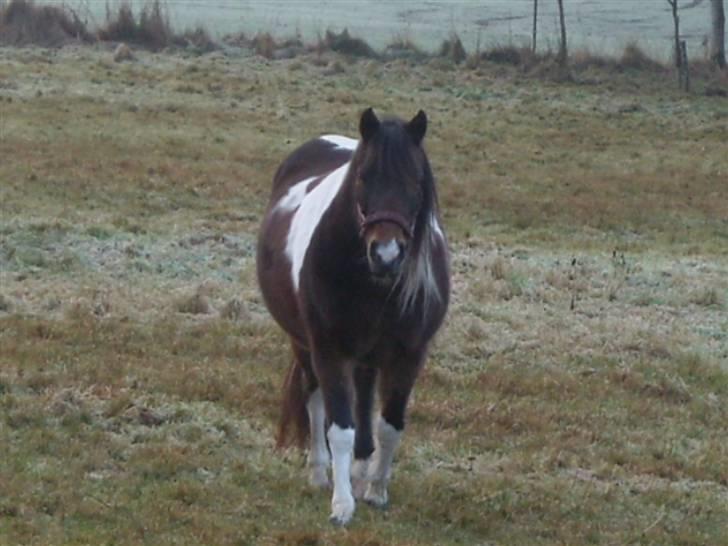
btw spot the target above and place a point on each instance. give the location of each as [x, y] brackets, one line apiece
[342, 224]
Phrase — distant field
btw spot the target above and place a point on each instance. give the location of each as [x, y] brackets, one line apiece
[575, 396]
[598, 25]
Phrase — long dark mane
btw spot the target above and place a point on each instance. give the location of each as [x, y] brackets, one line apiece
[392, 151]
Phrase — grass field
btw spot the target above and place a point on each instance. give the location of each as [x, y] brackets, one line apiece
[577, 394]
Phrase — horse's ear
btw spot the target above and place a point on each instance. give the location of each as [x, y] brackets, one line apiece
[368, 124]
[417, 127]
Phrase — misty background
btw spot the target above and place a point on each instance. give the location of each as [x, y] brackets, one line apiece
[600, 26]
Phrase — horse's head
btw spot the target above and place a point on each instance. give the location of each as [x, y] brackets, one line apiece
[391, 176]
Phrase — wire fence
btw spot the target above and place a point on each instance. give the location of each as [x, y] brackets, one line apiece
[600, 26]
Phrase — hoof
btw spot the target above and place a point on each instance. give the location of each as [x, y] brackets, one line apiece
[358, 488]
[342, 511]
[359, 478]
[319, 478]
[337, 521]
[376, 495]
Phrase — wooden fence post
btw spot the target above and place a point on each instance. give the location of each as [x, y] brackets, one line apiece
[684, 67]
[535, 19]
[563, 52]
[676, 21]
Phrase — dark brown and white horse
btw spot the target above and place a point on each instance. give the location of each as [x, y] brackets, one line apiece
[354, 266]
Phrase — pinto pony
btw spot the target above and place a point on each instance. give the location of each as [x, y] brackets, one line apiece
[353, 264]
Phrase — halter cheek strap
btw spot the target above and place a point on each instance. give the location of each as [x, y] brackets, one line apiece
[384, 216]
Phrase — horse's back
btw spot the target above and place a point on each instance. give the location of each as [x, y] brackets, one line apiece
[315, 158]
[295, 178]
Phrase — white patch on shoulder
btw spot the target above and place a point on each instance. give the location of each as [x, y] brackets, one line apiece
[312, 207]
[341, 141]
[294, 196]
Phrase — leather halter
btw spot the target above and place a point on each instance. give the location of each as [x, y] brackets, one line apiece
[384, 216]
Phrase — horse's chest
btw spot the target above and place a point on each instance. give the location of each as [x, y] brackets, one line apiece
[369, 329]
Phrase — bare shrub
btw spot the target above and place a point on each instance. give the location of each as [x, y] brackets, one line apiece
[123, 53]
[506, 55]
[453, 49]
[23, 23]
[333, 68]
[154, 26]
[634, 57]
[402, 46]
[120, 26]
[237, 39]
[150, 30]
[345, 44]
[235, 310]
[585, 60]
[706, 297]
[197, 38]
[264, 45]
[546, 64]
[197, 304]
[510, 55]
[6, 305]
[499, 268]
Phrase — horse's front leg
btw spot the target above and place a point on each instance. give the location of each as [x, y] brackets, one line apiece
[396, 382]
[334, 380]
[364, 380]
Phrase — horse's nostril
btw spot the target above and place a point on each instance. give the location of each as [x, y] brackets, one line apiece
[389, 251]
[385, 256]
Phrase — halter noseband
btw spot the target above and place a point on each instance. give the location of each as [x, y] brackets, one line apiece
[384, 216]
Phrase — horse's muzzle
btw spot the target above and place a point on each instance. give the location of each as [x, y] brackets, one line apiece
[385, 259]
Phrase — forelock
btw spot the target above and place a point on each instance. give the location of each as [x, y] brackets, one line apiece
[391, 149]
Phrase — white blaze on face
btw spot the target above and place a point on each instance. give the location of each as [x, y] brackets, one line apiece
[388, 252]
[312, 207]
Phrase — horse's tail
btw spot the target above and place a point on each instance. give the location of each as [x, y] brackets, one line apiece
[294, 428]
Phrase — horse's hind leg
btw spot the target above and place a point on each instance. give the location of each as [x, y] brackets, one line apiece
[364, 381]
[397, 380]
[318, 453]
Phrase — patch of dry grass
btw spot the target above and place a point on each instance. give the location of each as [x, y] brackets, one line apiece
[574, 396]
